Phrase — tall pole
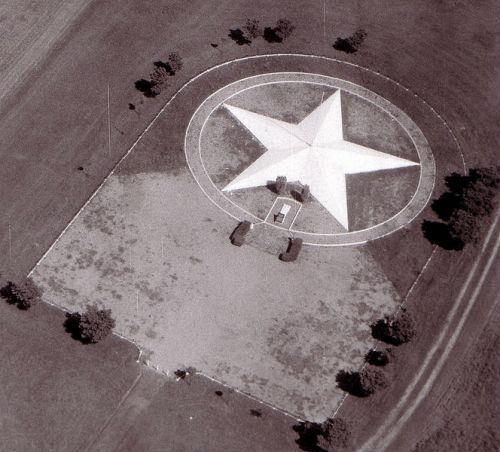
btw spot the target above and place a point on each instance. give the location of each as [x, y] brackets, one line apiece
[109, 125]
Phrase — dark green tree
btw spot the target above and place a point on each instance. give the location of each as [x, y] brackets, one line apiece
[95, 324]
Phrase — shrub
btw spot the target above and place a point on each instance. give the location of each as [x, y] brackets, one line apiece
[252, 28]
[280, 185]
[159, 75]
[335, 433]
[96, 324]
[175, 61]
[284, 28]
[394, 330]
[24, 294]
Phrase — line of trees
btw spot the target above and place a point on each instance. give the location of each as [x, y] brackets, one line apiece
[463, 207]
[253, 30]
[91, 326]
[158, 79]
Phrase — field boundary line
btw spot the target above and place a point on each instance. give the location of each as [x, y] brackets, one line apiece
[251, 397]
[112, 415]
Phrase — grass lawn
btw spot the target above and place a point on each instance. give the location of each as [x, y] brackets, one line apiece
[57, 393]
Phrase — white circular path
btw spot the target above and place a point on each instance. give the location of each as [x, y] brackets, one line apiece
[418, 201]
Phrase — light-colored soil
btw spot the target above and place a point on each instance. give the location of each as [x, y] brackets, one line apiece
[164, 265]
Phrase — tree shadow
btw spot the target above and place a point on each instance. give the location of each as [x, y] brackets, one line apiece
[238, 36]
[440, 234]
[350, 382]
[308, 436]
[271, 35]
[446, 204]
[145, 87]
[272, 186]
[164, 65]
[72, 326]
[7, 293]
[344, 45]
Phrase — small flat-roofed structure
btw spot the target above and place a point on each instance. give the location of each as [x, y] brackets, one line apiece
[280, 217]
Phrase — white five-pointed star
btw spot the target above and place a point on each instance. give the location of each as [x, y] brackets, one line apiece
[312, 152]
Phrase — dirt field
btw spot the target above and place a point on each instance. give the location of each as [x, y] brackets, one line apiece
[149, 256]
[444, 52]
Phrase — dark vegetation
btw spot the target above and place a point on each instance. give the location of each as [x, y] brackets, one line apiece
[363, 383]
[462, 209]
[395, 330]
[293, 250]
[377, 357]
[256, 413]
[332, 434]
[239, 37]
[24, 294]
[158, 80]
[92, 326]
[352, 43]
[252, 30]
[238, 236]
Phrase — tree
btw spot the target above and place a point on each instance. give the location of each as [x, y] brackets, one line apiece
[335, 433]
[24, 294]
[363, 383]
[280, 185]
[371, 380]
[394, 330]
[377, 358]
[175, 61]
[159, 75]
[156, 89]
[469, 199]
[252, 28]
[464, 226]
[95, 324]
[284, 28]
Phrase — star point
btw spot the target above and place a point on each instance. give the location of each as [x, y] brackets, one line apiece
[312, 152]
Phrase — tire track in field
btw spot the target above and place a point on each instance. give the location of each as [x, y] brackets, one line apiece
[444, 345]
[32, 49]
